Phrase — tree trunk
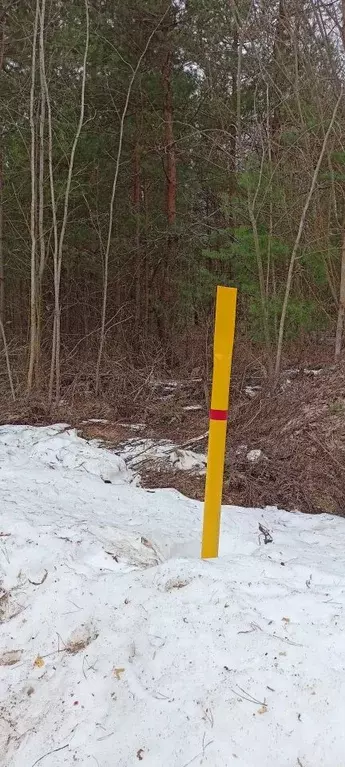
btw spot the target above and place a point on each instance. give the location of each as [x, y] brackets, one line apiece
[41, 169]
[170, 164]
[112, 204]
[2, 271]
[55, 367]
[279, 78]
[136, 209]
[234, 127]
[341, 310]
[298, 240]
[261, 275]
[33, 233]
[171, 187]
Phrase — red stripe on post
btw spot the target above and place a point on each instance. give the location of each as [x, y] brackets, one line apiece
[218, 415]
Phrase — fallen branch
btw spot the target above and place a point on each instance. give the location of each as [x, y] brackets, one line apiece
[193, 441]
[39, 583]
[266, 534]
[54, 751]
[8, 366]
[317, 442]
[201, 753]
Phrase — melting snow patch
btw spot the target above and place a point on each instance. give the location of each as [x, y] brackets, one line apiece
[192, 407]
[138, 451]
[254, 455]
[133, 649]
[252, 391]
[59, 447]
[187, 460]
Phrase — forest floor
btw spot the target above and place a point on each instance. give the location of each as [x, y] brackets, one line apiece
[285, 448]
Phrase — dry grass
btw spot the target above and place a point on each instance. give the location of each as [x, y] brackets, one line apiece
[300, 428]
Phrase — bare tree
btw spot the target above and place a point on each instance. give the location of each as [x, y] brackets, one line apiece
[260, 267]
[112, 202]
[298, 240]
[33, 232]
[41, 164]
[55, 369]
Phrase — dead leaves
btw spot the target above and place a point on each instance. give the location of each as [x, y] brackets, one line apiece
[263, 709]
[39, 662]
[176, 583]
[10, 658]
[9, 607]
[117, 672]
[80, 639]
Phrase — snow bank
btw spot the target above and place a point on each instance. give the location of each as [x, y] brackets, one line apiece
[118, 645]
[58, 447]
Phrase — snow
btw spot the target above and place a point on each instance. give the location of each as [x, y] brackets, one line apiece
[252, 391]
[254, 455]
[119, 645]
[137, 451]
[59, 447]
[191, 408]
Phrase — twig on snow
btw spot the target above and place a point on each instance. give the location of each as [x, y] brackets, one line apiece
[201, 753]
[284, 639]
[39, 583]
[254, 627]
[247, 696]
[266, 534]
[54, 751]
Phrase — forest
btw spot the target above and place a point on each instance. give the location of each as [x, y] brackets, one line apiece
[150, 150]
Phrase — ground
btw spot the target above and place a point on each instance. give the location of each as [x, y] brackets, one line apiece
[297, 430]
[118, 645]
[285, 447]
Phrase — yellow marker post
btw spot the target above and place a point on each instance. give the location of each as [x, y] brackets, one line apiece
[222, 359]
